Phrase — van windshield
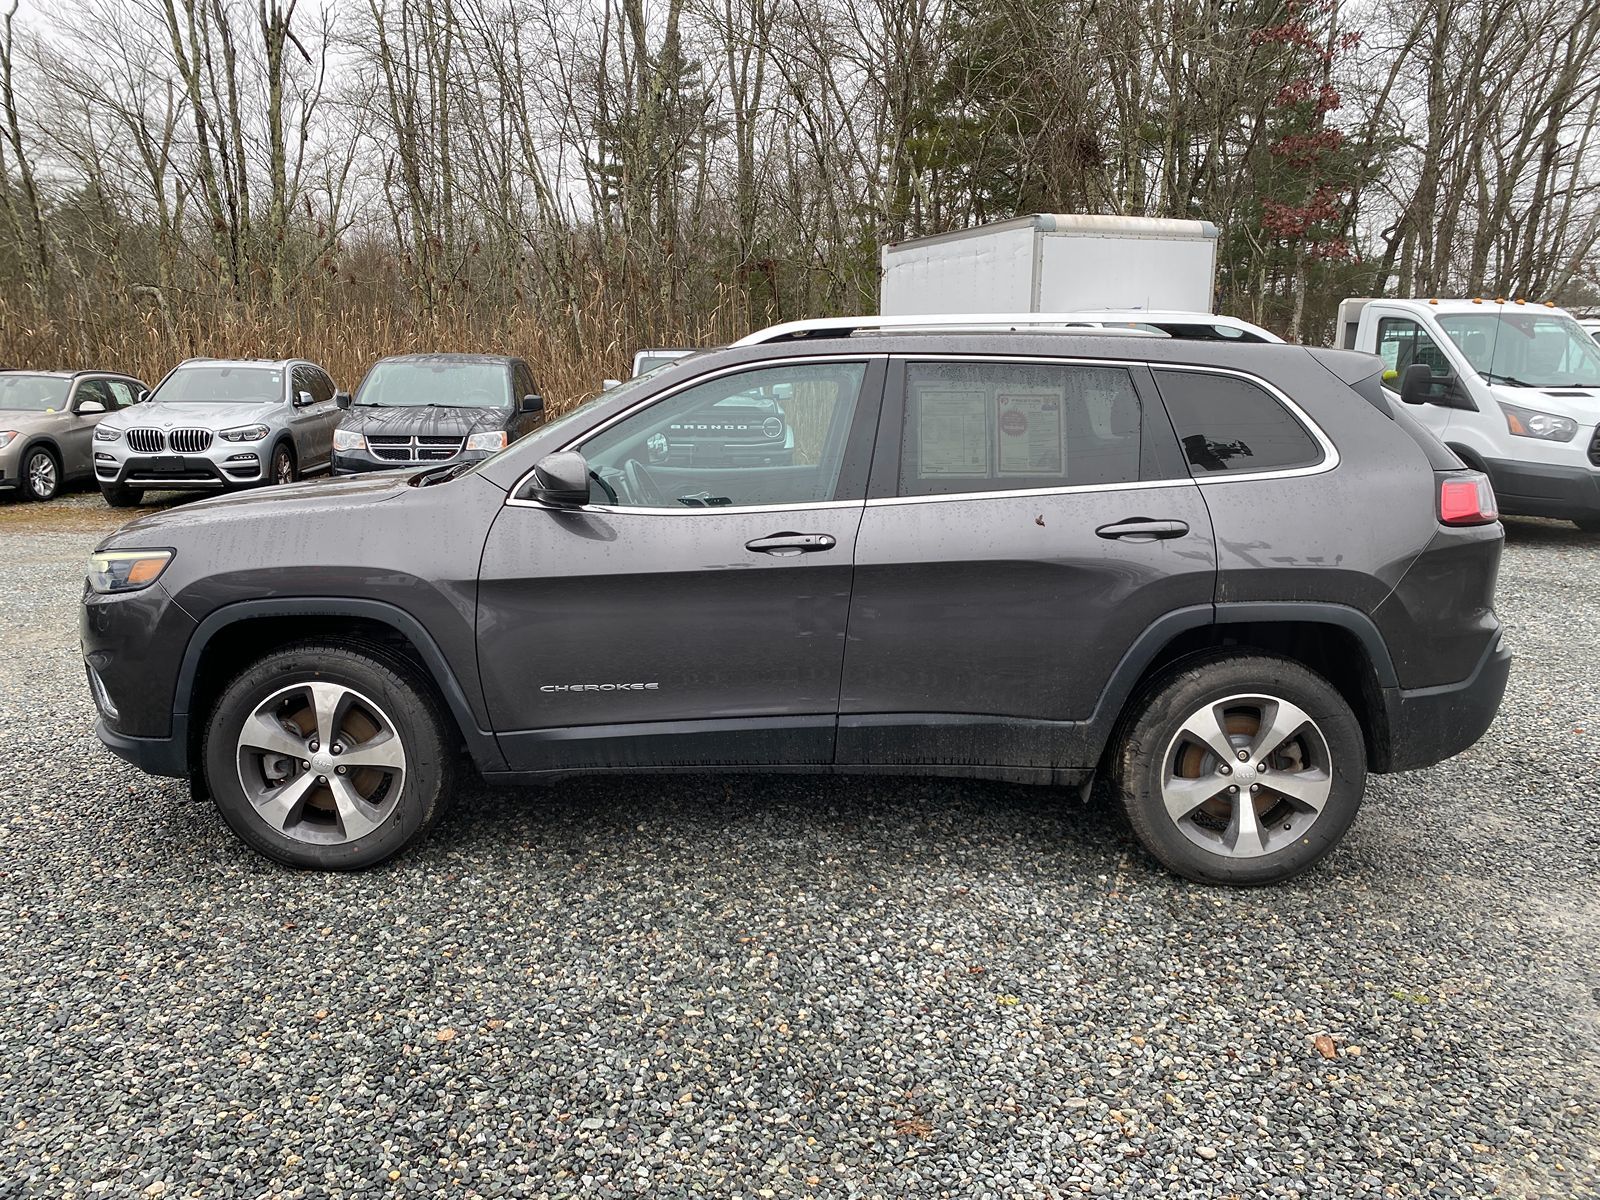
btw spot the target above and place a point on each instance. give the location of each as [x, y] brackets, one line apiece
[1525, 349]
[444, 383]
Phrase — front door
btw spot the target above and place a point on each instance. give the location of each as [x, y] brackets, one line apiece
[77, 438]
[692, 613]
[1402, 341]
[1029, 520]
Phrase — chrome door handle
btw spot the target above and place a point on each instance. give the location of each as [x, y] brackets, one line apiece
[1143, 529]
[783, 545]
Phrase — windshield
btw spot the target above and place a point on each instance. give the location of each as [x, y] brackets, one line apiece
[1525, 349]
[413, 384]
[221, 385]
[562, 425]
[32, 393]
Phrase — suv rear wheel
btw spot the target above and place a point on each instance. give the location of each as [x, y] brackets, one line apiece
[328, 755]
[1240, 769]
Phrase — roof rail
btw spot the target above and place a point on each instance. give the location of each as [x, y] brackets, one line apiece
[839, 327]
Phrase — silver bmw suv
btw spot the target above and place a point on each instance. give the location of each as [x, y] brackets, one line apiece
[215, 424]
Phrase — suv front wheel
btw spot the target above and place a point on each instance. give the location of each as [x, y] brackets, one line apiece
[328, 755]
[1240, 769]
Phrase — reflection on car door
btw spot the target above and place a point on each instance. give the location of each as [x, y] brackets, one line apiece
[682, 620]
[1027, 522]
[77, 431]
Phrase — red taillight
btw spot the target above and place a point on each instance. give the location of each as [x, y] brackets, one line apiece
[1466, 498]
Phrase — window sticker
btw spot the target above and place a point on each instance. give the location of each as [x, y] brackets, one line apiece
[1032, 437]
[954, 425]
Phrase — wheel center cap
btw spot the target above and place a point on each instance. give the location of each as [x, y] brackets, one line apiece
[322, 764]
[1245, 772]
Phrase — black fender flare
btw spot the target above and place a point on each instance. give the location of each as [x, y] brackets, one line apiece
[481, 743]
[1136, 662]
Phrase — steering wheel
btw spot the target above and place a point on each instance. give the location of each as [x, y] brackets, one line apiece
[642, 488]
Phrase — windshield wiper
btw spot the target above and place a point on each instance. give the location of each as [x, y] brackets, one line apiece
[1508, 380]
[369, 404]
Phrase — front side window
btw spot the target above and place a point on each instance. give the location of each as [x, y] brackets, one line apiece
[1402, 342]
[770, 436]
[122, 392]
[1230, 425]
[994, 427]
[205, 384]
[96, 390]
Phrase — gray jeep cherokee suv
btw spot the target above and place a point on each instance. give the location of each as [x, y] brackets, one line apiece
[1228, 578]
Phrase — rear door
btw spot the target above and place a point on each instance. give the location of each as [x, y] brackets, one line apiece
[1028, 520]
[684, 617]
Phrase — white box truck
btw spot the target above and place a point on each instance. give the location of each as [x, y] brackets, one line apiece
[1054, 263]
[1512, 387]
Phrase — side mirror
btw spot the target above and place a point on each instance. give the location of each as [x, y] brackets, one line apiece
[342, 399]
[607, 384]
[304, 399]
[144, 394]
[90, 407]
[561, 479]
[1419, 385]
[532, 403]
[1416, 385]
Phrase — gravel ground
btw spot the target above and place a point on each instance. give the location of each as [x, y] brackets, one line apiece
[785, 987]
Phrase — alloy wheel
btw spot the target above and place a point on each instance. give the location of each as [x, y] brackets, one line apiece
[1246, 776]
[42, 477]
[282, 467]
[321, 763]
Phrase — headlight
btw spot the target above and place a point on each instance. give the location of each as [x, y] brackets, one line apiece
[126, 570]
[348, 439]
[245, 433]
[487, 441]
[103, 434]
[7, 436]
[1525, 422]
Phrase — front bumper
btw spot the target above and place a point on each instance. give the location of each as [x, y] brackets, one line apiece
[133, 644]
[1429, 725]
[227, 464]
[1533, 489]
[360, 462]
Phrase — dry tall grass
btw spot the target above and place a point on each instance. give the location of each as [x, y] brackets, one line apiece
[571, 351]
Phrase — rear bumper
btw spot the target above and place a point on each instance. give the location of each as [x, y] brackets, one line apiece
[1429, 725]
[1542, 490]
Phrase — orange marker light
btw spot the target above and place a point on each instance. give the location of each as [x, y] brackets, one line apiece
[146, 570]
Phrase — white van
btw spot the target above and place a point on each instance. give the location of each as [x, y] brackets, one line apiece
[1512, 387]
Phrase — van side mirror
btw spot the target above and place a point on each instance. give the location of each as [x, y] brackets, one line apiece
[561, 479]
[1419, 385]
[532, 403]
[342, 399]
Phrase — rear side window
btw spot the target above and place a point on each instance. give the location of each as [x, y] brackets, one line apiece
[994, 427]
[1227, 424]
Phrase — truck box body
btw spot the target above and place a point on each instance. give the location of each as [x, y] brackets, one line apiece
[1057, 262]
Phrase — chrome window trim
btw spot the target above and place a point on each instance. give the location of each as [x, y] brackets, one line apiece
[513, 501]
[1330, 452]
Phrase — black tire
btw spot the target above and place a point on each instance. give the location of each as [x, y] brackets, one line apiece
[404, 697]
[121, 497]
[1151, 740]
[283, 468]
[41, 473]
[1587, 524]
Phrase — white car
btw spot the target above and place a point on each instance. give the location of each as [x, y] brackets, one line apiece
[215, 425]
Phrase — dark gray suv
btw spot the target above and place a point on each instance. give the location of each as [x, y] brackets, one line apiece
[1228, 578]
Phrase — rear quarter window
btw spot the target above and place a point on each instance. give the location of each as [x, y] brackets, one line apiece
[1228, 425]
